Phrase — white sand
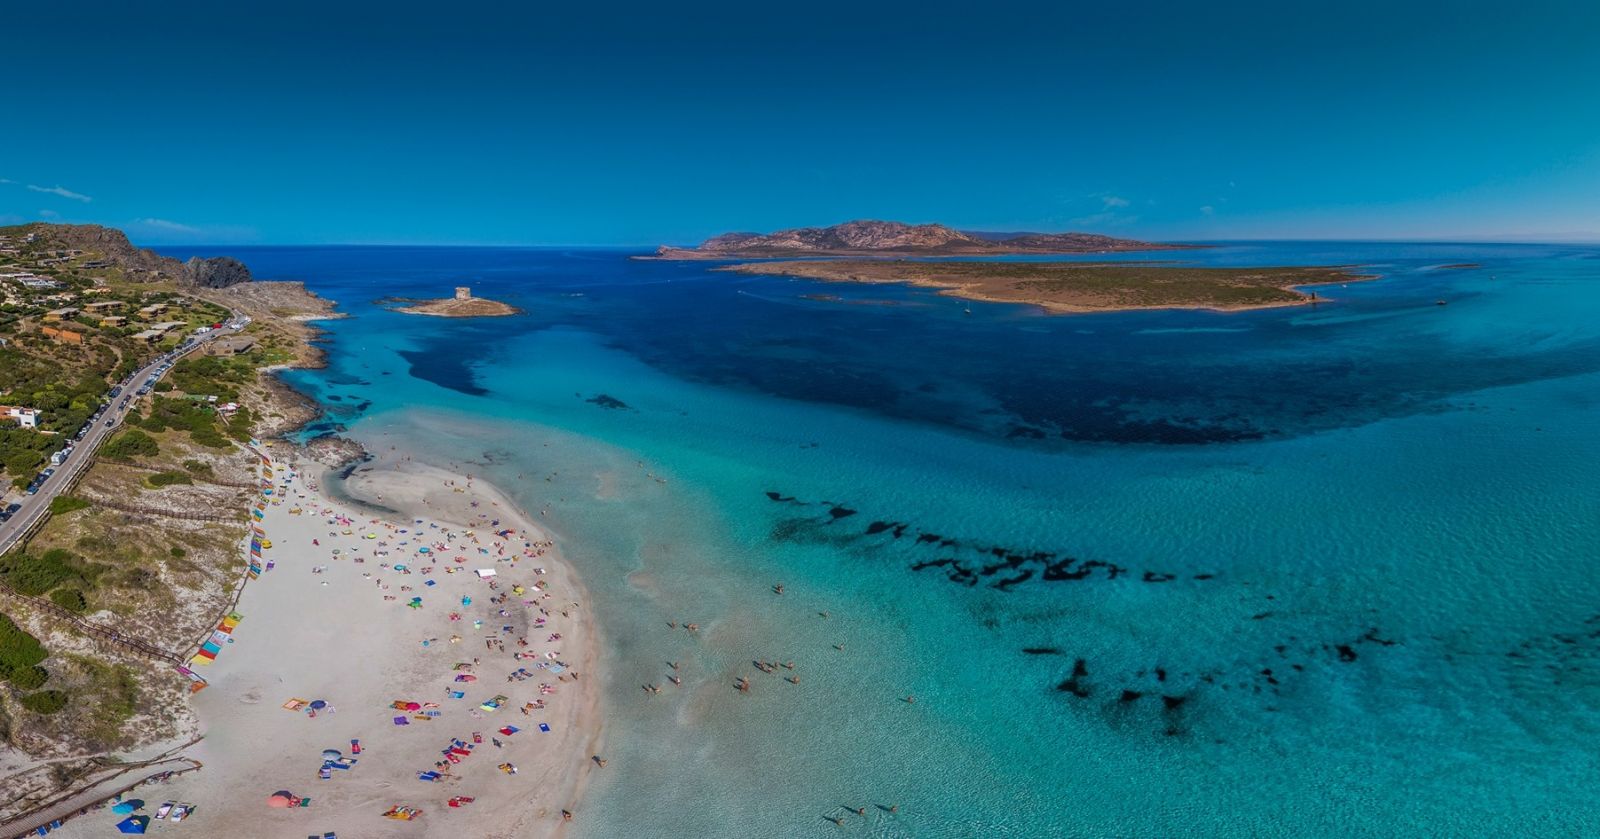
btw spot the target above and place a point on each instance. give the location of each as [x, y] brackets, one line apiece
[334, 636]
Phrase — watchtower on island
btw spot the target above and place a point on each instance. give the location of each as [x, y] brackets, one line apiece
[463, 292]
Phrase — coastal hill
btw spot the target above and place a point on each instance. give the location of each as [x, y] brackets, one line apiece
[893, 238]
[112, 246]
[462, 305]
[1076, 287]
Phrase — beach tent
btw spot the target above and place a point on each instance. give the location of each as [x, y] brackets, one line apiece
[281, 798]
[331, 754]
[125, 807]
[133, 824]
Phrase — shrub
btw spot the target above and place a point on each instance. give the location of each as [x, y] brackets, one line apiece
[166, 479]
[35, 574]
[29, 678]
[70, 599]
[198, 467]
[63, 504]
[178, 553]
[18, 649]
[45, 701]
[132, 443]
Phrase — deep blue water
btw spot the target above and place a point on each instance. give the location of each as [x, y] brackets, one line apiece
[1319, 571]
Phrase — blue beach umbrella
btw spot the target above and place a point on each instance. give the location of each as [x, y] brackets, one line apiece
[133, 824]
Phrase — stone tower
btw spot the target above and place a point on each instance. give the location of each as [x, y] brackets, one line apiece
[463, 293]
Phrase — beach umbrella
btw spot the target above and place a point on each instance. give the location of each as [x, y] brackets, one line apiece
[125, 807]
[134, 824]
[413, 706]
[331, 754]
[318, 705]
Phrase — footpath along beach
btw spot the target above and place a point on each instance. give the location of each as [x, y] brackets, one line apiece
[440, 658]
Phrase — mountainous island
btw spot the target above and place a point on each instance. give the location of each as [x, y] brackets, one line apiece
[1077, 287]
[461, 305]
[893, 238]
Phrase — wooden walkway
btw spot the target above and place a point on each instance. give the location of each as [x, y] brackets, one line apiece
[108, 634]
[141, 510]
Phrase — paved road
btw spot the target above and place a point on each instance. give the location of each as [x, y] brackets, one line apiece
[35, 506]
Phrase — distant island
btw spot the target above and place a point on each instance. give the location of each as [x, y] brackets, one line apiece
[462, 305]
[1068, 287]
[893, 238]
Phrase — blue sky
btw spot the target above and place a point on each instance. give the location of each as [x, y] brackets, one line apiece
[591, 123]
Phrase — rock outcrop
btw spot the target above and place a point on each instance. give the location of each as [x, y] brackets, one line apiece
[215, 272]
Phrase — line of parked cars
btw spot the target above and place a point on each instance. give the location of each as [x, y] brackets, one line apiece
[58, 458]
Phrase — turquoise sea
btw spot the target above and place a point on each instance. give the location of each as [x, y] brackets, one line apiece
[1306, 572]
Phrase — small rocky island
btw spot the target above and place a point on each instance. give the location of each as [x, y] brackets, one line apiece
[462, 305]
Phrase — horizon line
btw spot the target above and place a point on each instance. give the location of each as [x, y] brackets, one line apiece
[1595, 241]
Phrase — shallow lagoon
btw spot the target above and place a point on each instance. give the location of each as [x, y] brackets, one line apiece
[1323, 571]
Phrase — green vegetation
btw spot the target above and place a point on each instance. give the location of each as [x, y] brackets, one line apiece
[217, 376]
[36, 574]
[23, 451]
[198, 467]
[63, 504]
[45, 701]
[166, 479]
[65, 384]
[195, 417]
[29, 678]
[70, 599]
[20, 652]
[129, 444]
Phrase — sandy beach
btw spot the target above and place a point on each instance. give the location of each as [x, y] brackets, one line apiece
[411, 627]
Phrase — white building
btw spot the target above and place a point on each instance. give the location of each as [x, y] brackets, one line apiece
[25, 417]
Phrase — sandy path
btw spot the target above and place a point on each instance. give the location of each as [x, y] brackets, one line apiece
[346, 636]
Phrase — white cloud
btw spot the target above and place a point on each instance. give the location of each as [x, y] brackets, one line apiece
[61, 191]
[1208, 210]
[6, 181]
[167, 226]
[49, 214]
[1112, 202]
